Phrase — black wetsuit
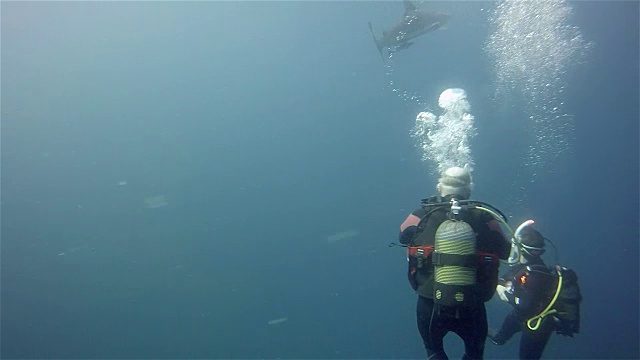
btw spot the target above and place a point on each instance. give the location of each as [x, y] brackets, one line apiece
[532, 342]
[469, 322]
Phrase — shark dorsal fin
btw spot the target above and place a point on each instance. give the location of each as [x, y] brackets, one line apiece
[409, 7]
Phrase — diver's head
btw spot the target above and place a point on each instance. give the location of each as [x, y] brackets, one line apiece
[455, 181]
[531, 243]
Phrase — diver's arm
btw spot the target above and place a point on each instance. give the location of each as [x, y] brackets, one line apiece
[505, 284]
[408, 228]
[503, 246]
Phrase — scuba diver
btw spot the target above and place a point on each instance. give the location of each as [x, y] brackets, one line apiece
[544, 299]
[454, 246]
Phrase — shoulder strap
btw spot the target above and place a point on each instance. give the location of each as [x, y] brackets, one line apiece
[430, 201]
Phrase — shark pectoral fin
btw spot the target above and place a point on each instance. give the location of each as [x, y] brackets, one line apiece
[376, 41]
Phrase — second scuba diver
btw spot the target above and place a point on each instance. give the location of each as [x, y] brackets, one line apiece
[544, 299]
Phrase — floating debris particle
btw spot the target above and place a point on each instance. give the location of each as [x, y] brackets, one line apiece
[342, 235]
[277, 321]
[157, 201]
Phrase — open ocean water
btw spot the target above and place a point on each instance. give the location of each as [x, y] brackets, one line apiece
[222, 179]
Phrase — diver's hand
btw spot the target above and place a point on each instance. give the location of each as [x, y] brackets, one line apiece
[504, 289]
[502, 292]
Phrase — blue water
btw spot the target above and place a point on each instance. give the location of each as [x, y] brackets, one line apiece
[172, 174]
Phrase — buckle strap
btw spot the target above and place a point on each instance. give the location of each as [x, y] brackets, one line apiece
[441, 259]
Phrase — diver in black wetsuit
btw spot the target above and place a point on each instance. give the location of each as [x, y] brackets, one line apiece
[419, 232]
[543, 299]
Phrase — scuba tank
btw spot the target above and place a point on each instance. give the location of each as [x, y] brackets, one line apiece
[455, 262]
[446, 250]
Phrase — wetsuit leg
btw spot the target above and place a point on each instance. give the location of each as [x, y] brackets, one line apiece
[533, 342]
[472, 328]
[431, 329]
[510, 326]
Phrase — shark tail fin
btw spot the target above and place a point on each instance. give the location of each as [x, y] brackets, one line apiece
[376, 41]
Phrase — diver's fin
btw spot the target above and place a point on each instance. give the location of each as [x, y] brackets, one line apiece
[376, 41]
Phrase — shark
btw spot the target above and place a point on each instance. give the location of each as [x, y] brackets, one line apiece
[415, 22]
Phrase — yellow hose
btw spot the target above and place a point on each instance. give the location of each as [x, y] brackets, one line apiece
[497, 217]
[547, 311]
